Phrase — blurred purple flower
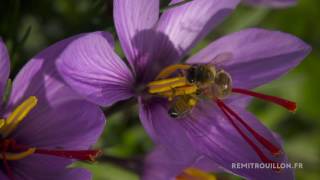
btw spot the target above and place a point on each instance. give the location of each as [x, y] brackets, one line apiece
[92, 68]
[159, 165]
[44, 126]
[271, 3]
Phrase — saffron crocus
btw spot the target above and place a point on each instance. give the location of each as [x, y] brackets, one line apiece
[271, 3]
[220, 129]
[159, 165]
[44, 126]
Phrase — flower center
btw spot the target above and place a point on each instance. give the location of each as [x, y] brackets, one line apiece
[195, 174]
[184, 85]
[10, 150]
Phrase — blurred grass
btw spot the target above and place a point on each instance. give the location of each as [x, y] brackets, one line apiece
[29, 26]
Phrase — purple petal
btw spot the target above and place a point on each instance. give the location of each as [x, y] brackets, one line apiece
[46, 168]
[160, 165]
[165, 130]
[214, 136]
[210, 134]
[78, 174]
[132, 17]
[67, 124]
[61, 118]
[206, 164]
[272, 3]
[92, 68]
[259, 56]
[4, 68]
[3, 176]
[186, 24]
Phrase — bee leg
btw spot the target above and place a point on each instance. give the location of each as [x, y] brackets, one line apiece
[166, 72]
[170, 98]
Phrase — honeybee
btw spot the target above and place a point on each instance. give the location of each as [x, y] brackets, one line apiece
[208, 88]
[193, 83]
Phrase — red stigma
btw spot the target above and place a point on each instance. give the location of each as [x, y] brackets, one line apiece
[4, 145]
[263, 158]
[84, 155]
[10, 145]
[290, 105]
[228, 112]
[266, 143]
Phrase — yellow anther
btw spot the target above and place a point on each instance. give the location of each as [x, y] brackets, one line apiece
[195, 173]
[2, 123]
[185, 90]
[166, 84]
[166, 72]
[18, 156]
[166, 81]
[18, 115]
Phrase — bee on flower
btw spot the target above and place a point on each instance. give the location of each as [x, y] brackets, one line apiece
[195, 106]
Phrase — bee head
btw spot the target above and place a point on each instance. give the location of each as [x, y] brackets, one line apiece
[192, 74]
[201, 73]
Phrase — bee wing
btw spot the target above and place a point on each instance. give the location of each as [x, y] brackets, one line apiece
[221, 58]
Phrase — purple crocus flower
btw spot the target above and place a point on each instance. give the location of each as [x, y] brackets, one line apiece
[222, 130]
[271, 3]
[44, 126]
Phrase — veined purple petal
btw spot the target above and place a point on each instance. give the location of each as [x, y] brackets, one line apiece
[52, 122]
[211, 134]
[185, 25]
[92, 68]
[67, 124]
[165, 130]
[214, 136]
[259, 56]
[132, 17]
[272, 3]
[46, 168]
[4, 68]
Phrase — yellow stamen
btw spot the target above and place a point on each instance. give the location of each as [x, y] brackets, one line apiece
[18, 156]
[185, 90]
[166, 84]
[2, 123]
[166, 81]
[166, 72]
[18, 115]
[195, 173]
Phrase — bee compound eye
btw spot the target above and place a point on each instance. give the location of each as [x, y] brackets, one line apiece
[191, 74]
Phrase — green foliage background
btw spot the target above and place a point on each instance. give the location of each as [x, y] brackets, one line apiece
[29, 26]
